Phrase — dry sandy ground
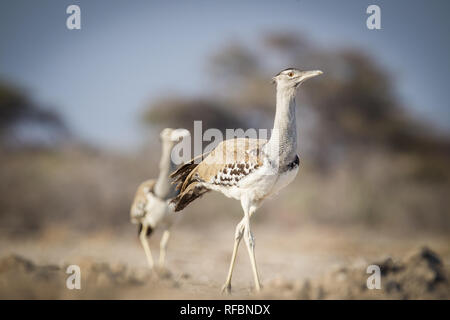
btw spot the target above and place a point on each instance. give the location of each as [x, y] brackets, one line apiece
[295, 263]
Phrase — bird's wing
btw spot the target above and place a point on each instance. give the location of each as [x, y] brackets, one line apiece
[228, 163]
[140, 199]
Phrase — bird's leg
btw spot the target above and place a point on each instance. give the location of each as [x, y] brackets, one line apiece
[162, 248]
[148, 253]
[237, 239]
[250, 242]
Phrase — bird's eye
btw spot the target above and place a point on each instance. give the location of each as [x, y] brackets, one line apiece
[291, 74]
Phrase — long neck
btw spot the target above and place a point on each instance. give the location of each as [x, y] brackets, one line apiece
[163, 187]
[282, 145]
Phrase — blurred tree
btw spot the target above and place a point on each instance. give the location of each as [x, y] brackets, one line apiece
[13, 106]
[286, 42]
[181, 113]
[17, 109]
[234, 62]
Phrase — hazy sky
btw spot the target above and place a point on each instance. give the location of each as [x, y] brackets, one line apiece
[128, 52]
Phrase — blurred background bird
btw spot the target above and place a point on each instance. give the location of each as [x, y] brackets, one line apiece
[150, 208]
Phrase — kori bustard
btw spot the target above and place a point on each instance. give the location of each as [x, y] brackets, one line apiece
[150, 208]
[249, 170]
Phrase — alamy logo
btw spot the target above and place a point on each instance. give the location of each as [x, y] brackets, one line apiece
[74, 280]
[374, 20]
[182, 151]
[374, 281]
[74, 20]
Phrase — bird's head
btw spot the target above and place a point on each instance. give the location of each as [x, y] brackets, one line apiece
[173, 135]
[291, 78]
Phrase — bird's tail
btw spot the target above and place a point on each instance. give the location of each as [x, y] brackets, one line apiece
[183, 171]
[190, 188]
[192, 192]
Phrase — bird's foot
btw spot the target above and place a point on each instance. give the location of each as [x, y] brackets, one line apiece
[226, 289]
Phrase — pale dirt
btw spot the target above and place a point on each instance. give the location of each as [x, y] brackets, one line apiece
[296, 262]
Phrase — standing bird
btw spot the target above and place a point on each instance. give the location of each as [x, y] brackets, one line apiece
[249, 170]
[150, 208]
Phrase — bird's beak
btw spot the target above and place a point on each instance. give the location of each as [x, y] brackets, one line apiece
[309, 74]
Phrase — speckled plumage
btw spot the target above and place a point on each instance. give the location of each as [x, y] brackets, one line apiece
[249, 170]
